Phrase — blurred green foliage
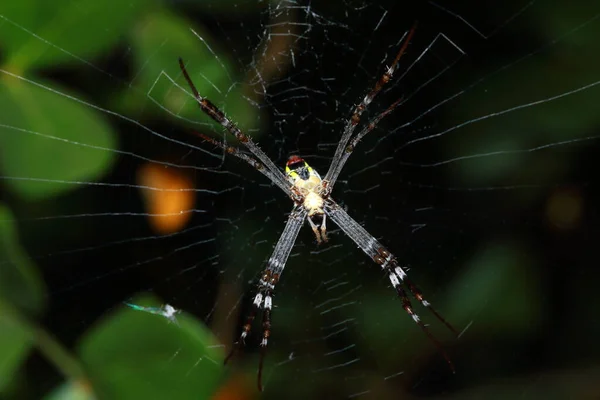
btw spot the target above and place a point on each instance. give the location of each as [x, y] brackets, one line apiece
[14, 347]
[20, 283]
[125, 357]
[157, 65]
[50, 138]
[63, 31]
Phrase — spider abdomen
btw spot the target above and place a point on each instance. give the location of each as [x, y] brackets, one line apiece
[313, 203]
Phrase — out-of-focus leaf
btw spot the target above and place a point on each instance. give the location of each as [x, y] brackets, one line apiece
[383, 322]
[229, 7]
[158, 40]
[138, 355]
[498, 292]
[46, 138]
[20, 283]
[64, 30]
[574, 383]
[71, 391]
[14, 345]
[20, 286]
[496, 283]
[515, 115]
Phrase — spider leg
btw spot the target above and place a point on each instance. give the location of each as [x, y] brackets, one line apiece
[256, 306]
[315, 230]
[387, 261]
[232, 150]
[406, 304]
[266, 285]
[250, 160]
[372, 124]
[324, 228]
[337, 164]
[417, 294]
[265, 336]
[352, 145]
[212, 111]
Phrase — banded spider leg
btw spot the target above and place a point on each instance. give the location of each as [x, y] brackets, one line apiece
[396, 274]
[338, 159]
[310, 195]
[263, 299]
[272, 172]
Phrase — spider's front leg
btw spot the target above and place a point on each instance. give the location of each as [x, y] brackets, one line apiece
[296, 196]
[325, 189]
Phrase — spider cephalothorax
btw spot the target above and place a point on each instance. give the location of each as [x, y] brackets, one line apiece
[308, 185]
[312, 201]
[296, 168]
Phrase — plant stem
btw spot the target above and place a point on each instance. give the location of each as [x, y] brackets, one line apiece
[55, 352]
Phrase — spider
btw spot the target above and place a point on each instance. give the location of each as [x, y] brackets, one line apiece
[312, 202]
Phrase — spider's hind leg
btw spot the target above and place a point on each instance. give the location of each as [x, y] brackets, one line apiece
[265, 336]
[324, 229]
[406, 304]
[414, 290]
[262, 301]
[398, 277]
[257, 305]
[317, 224]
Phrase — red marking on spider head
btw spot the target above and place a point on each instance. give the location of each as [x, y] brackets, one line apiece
[294, 160]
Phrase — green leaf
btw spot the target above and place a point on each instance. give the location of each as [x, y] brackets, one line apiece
[15, 343]
[71, 391]
[20, 286]
[138, 355]
[158, 41]
[37, 33]
[229, 7]
[20, 283]
[498, 290]
[46, 137]
[522, 115]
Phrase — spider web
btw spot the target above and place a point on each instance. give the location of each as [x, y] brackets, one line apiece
[481, 183]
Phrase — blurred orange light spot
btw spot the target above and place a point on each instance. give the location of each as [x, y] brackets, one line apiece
[168, 195]
[236, 388]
